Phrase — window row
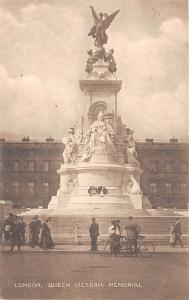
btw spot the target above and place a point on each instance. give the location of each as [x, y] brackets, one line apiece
[15, 189]
[168, 187]
[30, 165]
[168, 166]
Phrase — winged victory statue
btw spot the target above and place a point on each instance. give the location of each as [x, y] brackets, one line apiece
[101, 23]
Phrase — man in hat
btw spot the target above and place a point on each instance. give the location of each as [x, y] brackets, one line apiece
[177, 233]
[133, 230]
[34, 229]
[16, 234]
[23, 230]
[94, 233]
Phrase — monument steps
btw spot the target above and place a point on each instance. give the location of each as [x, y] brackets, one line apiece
[149, 225]
[63, 226]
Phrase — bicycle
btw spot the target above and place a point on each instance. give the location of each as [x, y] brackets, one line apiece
[120, 245]
[144, 248]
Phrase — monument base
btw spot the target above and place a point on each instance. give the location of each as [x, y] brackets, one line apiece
[101, 203]
[75, 181]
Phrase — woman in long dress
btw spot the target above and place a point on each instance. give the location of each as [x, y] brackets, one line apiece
[46, 239]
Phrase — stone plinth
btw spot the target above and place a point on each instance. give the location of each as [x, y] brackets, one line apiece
[82, 176]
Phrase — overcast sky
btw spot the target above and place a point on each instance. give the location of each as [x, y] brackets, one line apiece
[43, 46]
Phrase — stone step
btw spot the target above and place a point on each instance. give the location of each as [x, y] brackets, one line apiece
[157, 239]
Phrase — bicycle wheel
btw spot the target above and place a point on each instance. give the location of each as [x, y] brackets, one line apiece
[147, 249]
[125, 249]
[104, 249]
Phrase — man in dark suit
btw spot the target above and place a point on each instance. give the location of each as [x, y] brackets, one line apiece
[133, 230]
[94, 233]
[16, 234]
[35, 227]
[23, 231]
[177, 233]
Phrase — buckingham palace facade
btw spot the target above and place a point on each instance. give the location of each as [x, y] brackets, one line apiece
[29, 176]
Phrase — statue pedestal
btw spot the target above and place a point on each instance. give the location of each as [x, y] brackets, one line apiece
[75, 181]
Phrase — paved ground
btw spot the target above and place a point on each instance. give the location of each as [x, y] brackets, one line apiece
[163, 276]
[85, 249]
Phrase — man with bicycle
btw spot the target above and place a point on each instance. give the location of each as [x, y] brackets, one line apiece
[132, 229]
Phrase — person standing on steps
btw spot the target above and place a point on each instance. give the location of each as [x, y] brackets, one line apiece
[94, 233]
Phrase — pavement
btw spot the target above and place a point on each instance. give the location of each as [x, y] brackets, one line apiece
[86, 249]
[75, 276]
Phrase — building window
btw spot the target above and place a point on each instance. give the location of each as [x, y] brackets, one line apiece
[153, 188]
[16, 165]
[168, 188]
[46, 165]
[183, 187]
[7, 165]
[168, 166]
[1, 187]
[15, 187]
[31, 188]
[45, 188]
[153, 166]
[31, 165]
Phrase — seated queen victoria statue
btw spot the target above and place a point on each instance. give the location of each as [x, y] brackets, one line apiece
[100, 136]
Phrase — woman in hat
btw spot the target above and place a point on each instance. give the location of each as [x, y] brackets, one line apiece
[114, 238]
[46, 239]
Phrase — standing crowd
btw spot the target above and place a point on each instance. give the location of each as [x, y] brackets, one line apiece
[132, 232]
[14, 231]
[132, 229]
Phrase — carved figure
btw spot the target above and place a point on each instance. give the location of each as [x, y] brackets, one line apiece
[99, 136]
[110, 59]
[94, 57]
[71, 147]
[131, 186]
[101, 23]
[131, 151]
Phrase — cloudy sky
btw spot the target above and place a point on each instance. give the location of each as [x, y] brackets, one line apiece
[43, 46]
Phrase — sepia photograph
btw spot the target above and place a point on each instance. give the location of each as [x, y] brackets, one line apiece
[94, 148]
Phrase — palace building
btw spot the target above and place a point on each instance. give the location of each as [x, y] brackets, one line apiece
[29, 176]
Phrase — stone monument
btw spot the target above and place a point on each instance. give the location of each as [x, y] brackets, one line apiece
[100, 171]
